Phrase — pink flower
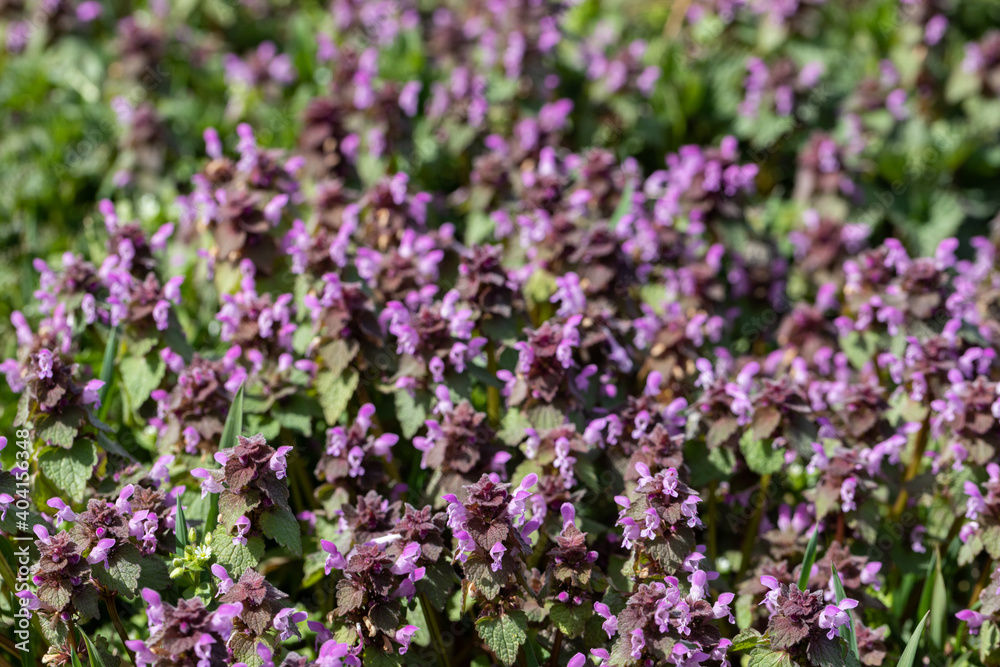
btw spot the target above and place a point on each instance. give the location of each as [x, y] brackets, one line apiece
[497, 552]
[334, 559]
[404, 635]
[242, 526]
[834, 616]
[610, 624]
[278, 463]
[100, 553]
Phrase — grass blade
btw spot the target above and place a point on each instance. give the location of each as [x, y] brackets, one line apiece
[180, 528]
[928, 589]
[234, 421]
[108, 368]
[233, 428]
[95, 658]
[624, 204]
[809, 560]
[909, 656]
[848, 630]
[74, 656]
[934, 600]
[939, 608]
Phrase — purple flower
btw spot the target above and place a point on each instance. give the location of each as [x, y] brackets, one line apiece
[973, 618]
[610, 624]
[834, 616]
[277, 462]
[64, 512]
[225, 582]
[285, 622]
[242, 526]
[209, 483]
[334, 559]
[637, 642]
[101, 552]
[404, 635]
[496, 553]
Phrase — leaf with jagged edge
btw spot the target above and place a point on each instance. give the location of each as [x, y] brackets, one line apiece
[236, 557]
[334, 393]
[504, 635]
[281, 526]
[70, 469]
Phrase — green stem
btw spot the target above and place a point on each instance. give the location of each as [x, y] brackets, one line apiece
[305, 483]
[556, 647]
[109, 602]
[750, 539]
[431, 618]
[713, 547]
[914, 466]
[492, 393]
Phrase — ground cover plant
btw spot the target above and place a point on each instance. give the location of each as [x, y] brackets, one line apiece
[515, 332]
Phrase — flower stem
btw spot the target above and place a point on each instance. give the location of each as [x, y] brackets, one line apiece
[109, 601]
[431, 618]
[556, 647]
[914, 466]
[713, 547]
[750, 539]
[492, 393]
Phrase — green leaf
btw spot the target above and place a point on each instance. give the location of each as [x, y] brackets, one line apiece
[531, 653]
[438, 583]
[232, 428]
[376, 658]
[747, 639]
[934, 599]
[112, 447]
[989, 643]
[334, 393]
[181, 529]
[545, 417]
[74, 656]
[760, 456]
[281, 526]
[296, 416]
[232, 506]
[108, 364]
[624, 204]
[336, 356]
[236, 557]
[909, 656]
[234, 421]
[570, 619]
[809, 559]
[55, 431]
[140, 377]
[70, 469]
[939, 608]
[765, 657]
[512, 427]
[123, 572]
[410, 413]
[504, 635]
[848, 630]
[95, 658]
